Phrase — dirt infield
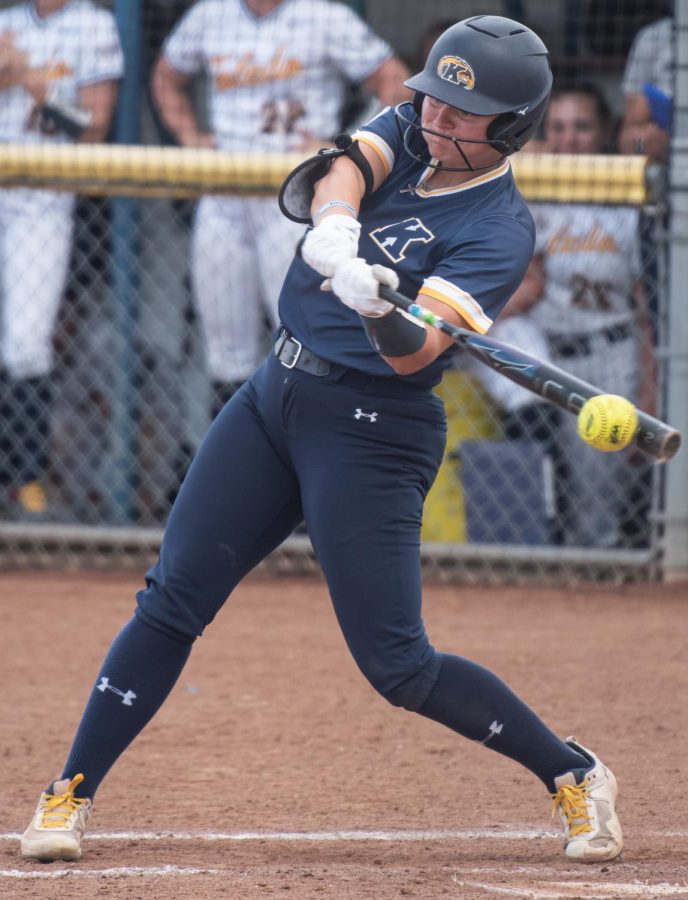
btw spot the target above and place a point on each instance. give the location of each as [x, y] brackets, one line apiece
[275, 769]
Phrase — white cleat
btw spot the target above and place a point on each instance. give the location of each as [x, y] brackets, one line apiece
[58, 824]
[587, 813]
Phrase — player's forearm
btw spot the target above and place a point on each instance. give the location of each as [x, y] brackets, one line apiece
[14, 64]
[632, 137]
[529, 292]
[182, 122]
[345, 182]
[98, 100]
[175, 107]
[342, 184]
[636, 120]
[36, 82]
[435, 342]
[10, 75]
[179, 117]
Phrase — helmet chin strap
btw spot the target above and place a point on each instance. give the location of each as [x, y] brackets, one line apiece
[413, 130]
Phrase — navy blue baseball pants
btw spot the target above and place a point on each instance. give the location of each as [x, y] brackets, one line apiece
[354, 457]
[354, 461]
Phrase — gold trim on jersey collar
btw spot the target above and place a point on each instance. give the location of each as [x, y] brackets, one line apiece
[467, 185]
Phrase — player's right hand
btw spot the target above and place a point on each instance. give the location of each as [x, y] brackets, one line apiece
[333, 241]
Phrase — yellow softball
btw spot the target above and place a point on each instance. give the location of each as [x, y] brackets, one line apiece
[607, 422]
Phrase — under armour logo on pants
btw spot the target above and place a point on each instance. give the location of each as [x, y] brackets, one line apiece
[127, 696]
[359, 414]
[495, 728]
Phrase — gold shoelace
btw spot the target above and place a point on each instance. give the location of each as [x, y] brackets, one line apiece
[573, 801]
[59, 807]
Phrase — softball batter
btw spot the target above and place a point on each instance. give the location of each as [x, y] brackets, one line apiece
[339, 427]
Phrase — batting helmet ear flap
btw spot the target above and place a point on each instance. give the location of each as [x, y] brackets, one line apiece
[418, 102]
[499, 132]
[512, 130]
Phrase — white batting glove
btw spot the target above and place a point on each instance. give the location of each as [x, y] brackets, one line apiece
[357, 285]
[331, 243]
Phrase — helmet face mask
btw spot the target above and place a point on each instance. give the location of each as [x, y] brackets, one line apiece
[416, 145]
[486, 66]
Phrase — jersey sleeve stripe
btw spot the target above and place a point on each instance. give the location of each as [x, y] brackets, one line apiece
[381, 147]
[459, 300]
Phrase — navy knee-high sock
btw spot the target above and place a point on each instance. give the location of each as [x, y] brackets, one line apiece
[138, 673]
[472, 701]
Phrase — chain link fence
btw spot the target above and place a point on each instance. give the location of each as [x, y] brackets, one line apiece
[96, 439]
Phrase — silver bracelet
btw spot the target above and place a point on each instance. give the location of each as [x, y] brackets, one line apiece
[329, 205]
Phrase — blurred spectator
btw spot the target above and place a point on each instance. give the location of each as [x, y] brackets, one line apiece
[59, 66]
[277, 75]
[590, 307]
[648, 86]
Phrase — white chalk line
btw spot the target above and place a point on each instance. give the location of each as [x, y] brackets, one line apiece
[499, 834]
[118, 872]
[561, 890]
[316, 836]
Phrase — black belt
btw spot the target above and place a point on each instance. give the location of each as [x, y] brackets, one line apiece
[571, 345]
[293, 355]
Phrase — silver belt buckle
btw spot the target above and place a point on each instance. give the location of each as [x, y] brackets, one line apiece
[291, 364]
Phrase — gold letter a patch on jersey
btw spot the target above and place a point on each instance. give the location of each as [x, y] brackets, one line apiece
[394, 240]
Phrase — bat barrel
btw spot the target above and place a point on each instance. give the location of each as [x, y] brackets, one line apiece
[656, 438]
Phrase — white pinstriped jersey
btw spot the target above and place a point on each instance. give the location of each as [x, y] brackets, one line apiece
[592, 261]
[78, 44]
[277, 79]
[651, 59]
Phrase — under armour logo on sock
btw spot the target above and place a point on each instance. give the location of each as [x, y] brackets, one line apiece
[127, 696]
[495, 728]
[359, 414]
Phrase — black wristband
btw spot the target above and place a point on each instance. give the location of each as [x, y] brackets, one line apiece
[396, 334]
[71, 120]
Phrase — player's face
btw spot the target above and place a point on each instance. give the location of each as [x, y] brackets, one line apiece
[573, 126]
[262, 7]
[457, 124]
[48, 7]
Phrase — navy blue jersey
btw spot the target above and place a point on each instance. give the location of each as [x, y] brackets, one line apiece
[468, 246]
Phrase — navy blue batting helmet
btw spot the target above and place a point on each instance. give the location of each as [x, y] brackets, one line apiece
[489, 65]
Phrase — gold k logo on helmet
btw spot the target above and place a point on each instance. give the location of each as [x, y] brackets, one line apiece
[456, 71]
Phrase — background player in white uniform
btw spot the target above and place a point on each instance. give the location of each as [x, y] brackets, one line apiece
[59, 65]
[648, 87]
[277, 74]
[590, 309]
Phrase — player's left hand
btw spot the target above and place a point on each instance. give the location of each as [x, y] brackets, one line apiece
[330, 243]
[357, 285]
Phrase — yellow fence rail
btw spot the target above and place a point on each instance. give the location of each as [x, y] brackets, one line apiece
[104, 170]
